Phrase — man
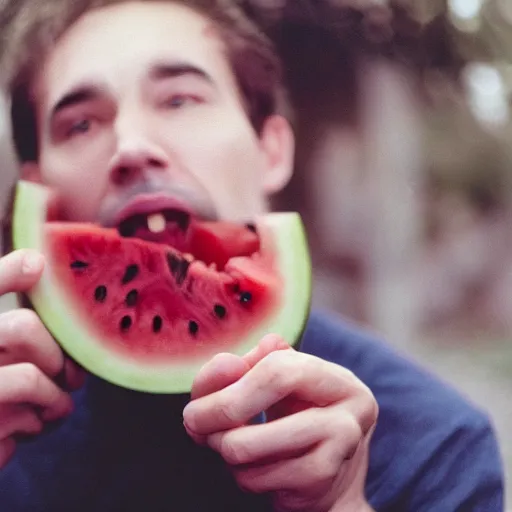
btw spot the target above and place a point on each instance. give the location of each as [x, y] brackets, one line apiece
[133, 97]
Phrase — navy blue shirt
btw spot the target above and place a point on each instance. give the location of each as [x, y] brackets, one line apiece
[122, 451]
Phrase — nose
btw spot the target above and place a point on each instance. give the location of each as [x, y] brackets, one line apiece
[135, 157]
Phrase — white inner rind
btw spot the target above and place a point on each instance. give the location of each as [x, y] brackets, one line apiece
[73, 333]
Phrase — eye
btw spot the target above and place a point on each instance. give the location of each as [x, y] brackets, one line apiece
[178, 101]
[82, 126]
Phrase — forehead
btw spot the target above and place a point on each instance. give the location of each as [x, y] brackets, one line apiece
[117, 44]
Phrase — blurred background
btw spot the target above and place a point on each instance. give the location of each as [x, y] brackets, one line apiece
[402, 110]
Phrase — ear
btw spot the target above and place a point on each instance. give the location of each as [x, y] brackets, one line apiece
[278, 145]
[30, 172]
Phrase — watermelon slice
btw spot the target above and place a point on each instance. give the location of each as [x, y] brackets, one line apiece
[147, 315]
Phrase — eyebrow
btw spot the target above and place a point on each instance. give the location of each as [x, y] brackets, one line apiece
[162, 70]
[80, 94]
[159, 71]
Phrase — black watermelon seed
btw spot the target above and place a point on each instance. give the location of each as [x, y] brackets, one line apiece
[251, 227]
[193, 327]
[126, 323]
[178, 267]
[131, 298]
[246, 297]
[100, 294]
[157, 324]
[78, 265]
[219, 310]
[131, 273]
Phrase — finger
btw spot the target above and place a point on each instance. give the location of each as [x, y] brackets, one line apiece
[269, 343]
[7, 449]
[312, 474]
[23, 338]
[219, 372]
[18, 419]
[278, 375]
[74, 375]
[24, 383]
[280, 439]
[290, 436]
[20, 270]
[224, 369]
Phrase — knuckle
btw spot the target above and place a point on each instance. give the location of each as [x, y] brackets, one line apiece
[327, 468]
[373, 410]
[11, 271]
[279, 370]
[29, 376]
[345, 430]
[352, 427]
[339, 420]
[352, 380]
[369, 412]
[348, 439]
[29, 322]
[21, 321]
[228, 412]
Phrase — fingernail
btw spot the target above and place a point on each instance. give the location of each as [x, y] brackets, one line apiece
[189, 424]
[214, 442]
[32, 263]
[199, 439]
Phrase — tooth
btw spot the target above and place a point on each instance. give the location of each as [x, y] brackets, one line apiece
[189, 257]
[156, 223]
[213, 266]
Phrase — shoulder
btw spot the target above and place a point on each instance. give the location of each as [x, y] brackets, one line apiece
[433, 448]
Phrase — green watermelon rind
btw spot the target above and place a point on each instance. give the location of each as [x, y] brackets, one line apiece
[60, 318]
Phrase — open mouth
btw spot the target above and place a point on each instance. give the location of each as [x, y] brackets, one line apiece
[212, 243]
[168, 226]
[154, 222]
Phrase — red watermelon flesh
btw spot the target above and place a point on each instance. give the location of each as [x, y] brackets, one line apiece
[147, 304]
[209, 241]
[150, 300]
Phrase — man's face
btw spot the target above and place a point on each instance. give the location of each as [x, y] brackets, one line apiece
[137, 100]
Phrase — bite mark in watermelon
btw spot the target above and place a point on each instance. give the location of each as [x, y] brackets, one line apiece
[147, 315]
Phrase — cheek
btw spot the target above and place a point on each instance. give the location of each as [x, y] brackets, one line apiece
[79, 187]
[227, 161]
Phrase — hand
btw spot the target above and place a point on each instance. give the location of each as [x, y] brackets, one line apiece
[30, 360]
[312, 453]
